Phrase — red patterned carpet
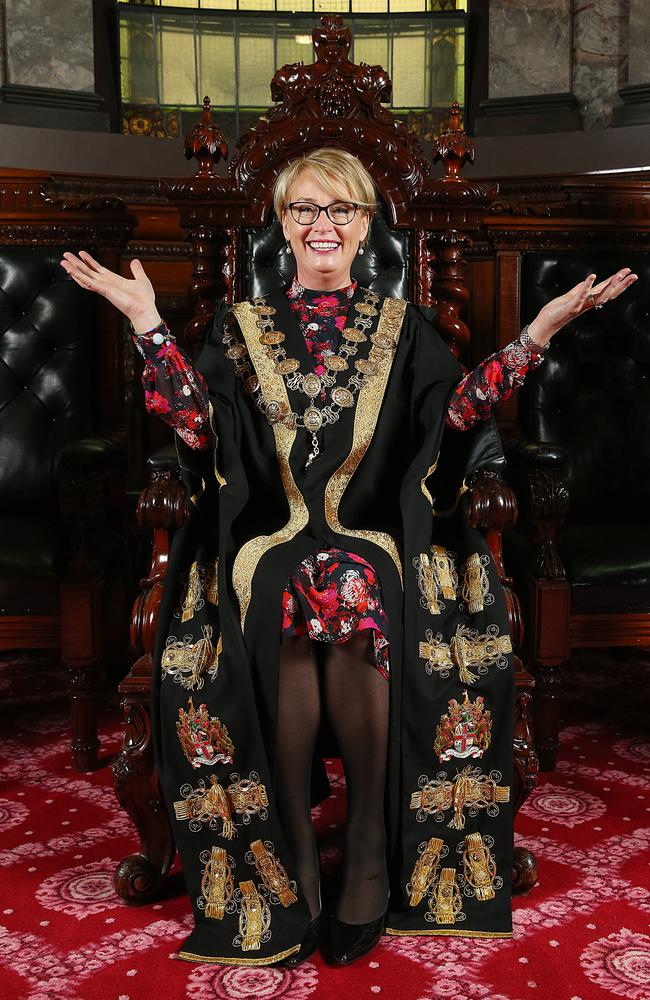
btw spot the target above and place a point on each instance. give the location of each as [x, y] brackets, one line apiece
[583, 933]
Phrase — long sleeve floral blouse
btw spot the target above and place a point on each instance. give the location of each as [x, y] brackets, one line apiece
[177, 393]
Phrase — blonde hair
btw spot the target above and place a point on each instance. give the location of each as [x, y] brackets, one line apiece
[340, 173]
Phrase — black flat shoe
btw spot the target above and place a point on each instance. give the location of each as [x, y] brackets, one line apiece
[345, 943]
[309, 945]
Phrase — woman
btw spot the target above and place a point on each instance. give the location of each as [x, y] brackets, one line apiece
[321, 424]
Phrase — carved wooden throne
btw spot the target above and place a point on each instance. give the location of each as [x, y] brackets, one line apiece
[416, 250]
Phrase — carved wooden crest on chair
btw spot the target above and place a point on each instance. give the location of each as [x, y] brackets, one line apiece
[329, 102]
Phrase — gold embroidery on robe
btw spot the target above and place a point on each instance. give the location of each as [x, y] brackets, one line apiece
[436, 575]
[479, 867]
[272, 873]
[467, 649]
[191, 601]
[248, 797]
[217, 884]
[446, 904]
[465, 731]
[476, 583]
[425, 870]
[469, 789]
[211, 583]
[366, 414]
[188, 661]
[206, 804]
[273, 388]
[254, 918]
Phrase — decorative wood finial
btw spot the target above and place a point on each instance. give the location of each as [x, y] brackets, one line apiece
[332, 39]
[206, 142]
[454, 147]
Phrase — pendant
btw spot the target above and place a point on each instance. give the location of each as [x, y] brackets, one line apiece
[272, 337]
[313, 419]
[356, 336]
[365, 309]
[311, 385]
[366, 366]
[251, 384]
[336, 363]
[236, 352]
[342, 396]
[288, 365]
[274, 411]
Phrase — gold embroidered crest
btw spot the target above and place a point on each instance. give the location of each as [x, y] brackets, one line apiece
[204, 738]
[465, 731]
[188, 661]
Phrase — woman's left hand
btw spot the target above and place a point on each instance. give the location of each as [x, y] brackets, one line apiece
[584, 296]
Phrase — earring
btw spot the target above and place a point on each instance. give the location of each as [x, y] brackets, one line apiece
[361, 251]
[288, 249]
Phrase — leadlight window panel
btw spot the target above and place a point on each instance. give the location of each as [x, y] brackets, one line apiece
[164, 61]
[216, 56]
[316, 6]
[177, 62]
[255, 62]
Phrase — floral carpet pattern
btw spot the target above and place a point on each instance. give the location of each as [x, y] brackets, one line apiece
[582, 933]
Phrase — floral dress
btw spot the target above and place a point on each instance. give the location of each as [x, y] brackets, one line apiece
[331, 594]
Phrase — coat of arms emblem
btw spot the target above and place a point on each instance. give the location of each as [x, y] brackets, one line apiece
[465, 731]
[204, 738]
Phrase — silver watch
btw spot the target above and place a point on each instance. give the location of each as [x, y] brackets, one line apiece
[529, 343]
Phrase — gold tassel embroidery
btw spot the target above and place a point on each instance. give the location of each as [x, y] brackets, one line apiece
[217, 884]
[425, 871]
[212, 583]
[254, 917]
[476, 584]
[187, 662]
[469, 789]
[427, 584]
[467, 649]
[446, 903]
[248, 797]
[479, 867]
[192, 594]
[272, 873]
[442, 567]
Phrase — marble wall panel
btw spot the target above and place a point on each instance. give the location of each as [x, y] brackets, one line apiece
[601, 34]
[50, 44]
[639, 57]
[530, 47]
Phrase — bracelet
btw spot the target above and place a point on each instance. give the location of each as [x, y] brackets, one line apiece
[529, 343]
[158, 333]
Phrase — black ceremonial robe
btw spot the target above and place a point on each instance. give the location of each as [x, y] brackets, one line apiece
[389, 486]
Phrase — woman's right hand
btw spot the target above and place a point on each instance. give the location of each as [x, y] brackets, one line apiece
[134, 297]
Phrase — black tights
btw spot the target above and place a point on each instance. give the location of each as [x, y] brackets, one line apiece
[356, 700]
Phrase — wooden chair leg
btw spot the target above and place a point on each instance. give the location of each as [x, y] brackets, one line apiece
[138, 878]
[81, 630]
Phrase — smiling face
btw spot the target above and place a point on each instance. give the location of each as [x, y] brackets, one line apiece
[324, 250]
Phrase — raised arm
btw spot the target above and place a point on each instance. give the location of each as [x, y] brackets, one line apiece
[495, 378]
[173, 390]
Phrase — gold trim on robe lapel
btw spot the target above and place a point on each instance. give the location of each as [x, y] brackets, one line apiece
[366, 414]
[272, 385]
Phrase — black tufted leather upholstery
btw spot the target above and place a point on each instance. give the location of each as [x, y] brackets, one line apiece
[46, 325]
[385, 267]
[592, 397]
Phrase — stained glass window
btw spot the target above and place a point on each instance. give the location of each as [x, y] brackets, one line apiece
[173, 52]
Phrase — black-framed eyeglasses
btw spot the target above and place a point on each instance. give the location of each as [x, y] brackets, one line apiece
[340, 213]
